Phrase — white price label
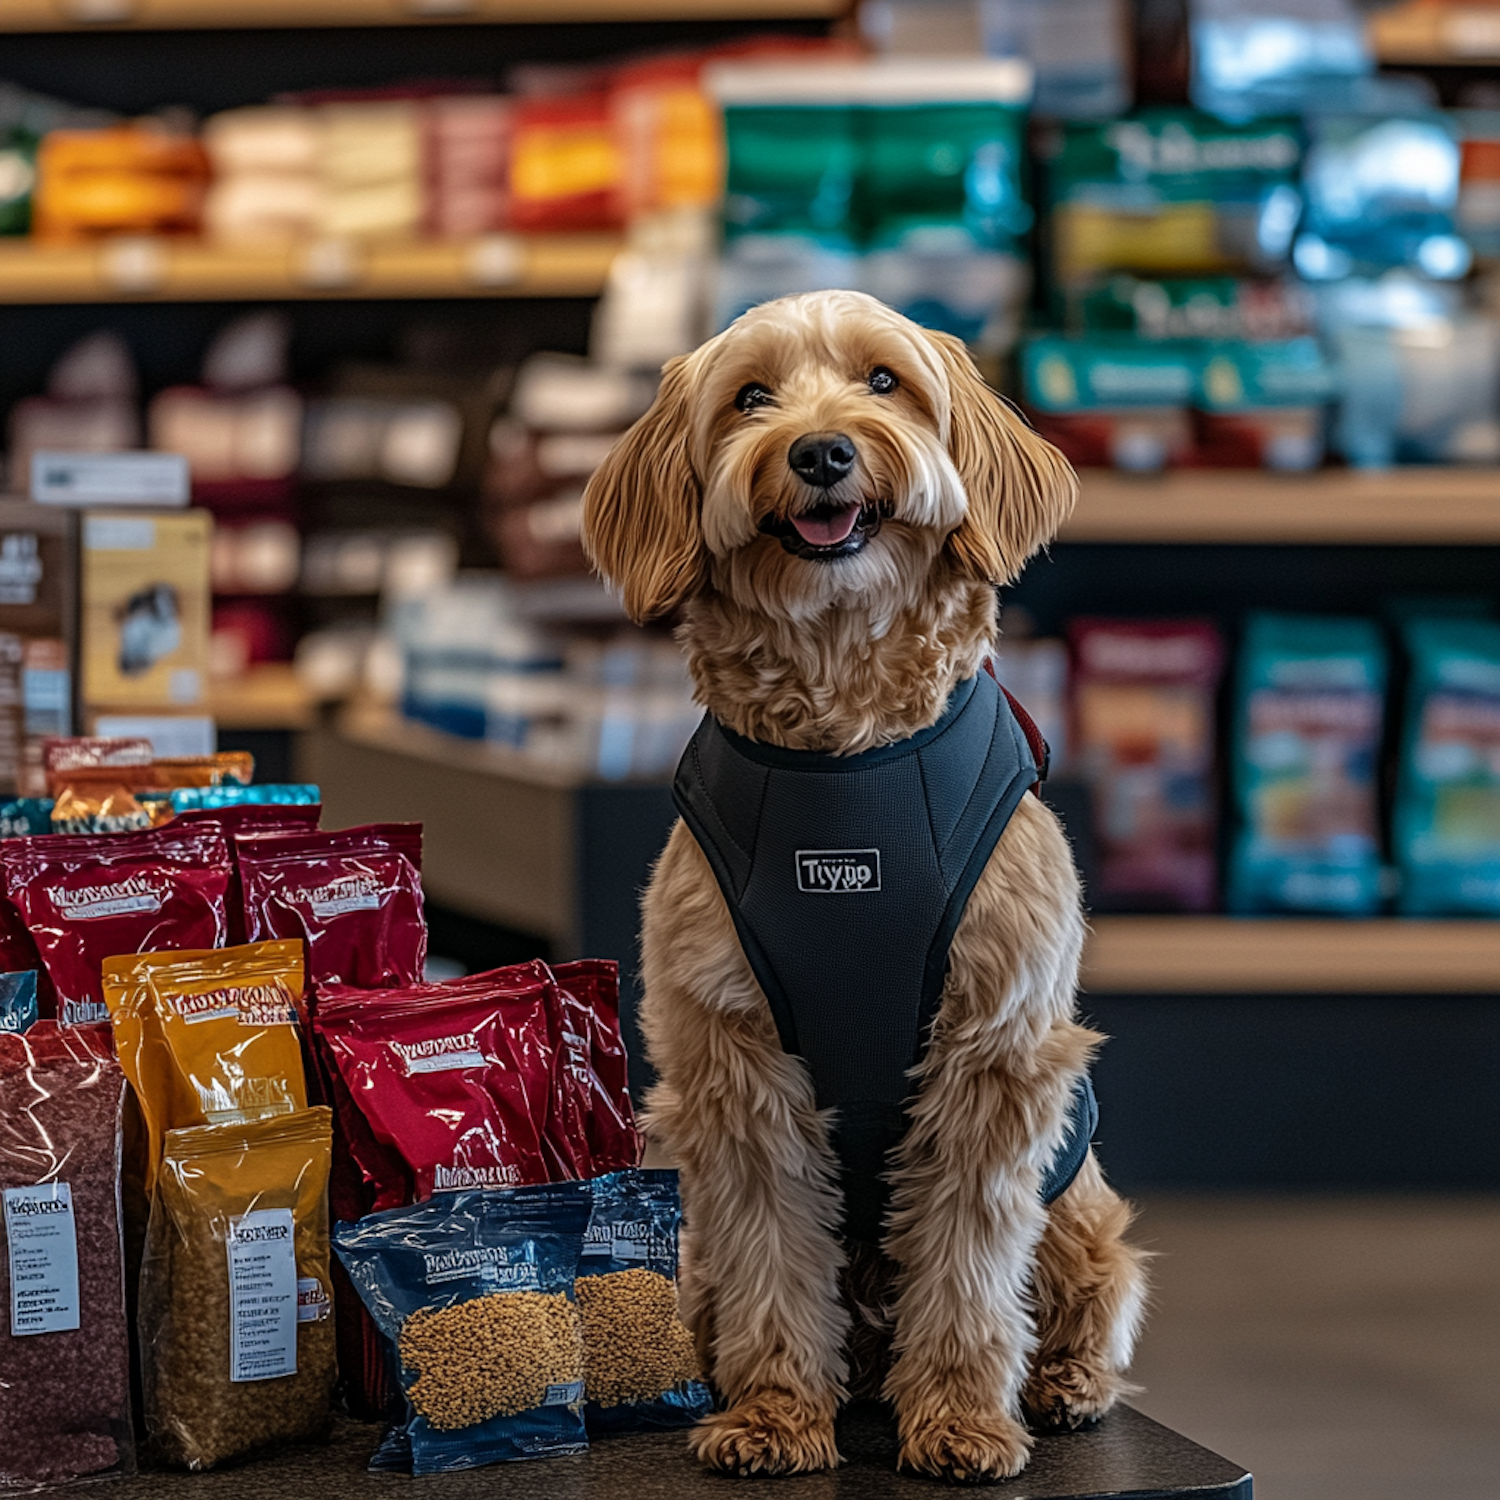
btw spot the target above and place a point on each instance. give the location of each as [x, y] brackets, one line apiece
[43, 1242]
[262, 1295]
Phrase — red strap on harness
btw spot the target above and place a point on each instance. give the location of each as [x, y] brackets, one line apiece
[1041, 752]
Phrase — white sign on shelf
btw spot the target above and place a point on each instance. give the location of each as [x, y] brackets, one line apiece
[159, 479]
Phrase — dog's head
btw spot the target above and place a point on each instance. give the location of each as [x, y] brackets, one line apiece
[822, 450]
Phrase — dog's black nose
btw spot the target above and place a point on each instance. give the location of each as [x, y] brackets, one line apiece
[822, 458]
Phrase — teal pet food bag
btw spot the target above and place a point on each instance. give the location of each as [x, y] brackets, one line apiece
[1446, 825]
[1306, 747]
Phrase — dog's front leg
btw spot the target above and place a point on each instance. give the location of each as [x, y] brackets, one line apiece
[760, 1260]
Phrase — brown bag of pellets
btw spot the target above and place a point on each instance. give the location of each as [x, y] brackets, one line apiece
[237, 1346]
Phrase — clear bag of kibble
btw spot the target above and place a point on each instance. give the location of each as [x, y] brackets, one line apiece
[237, 1345]
[64, 1345]
[640, 1365]
[475, 1291]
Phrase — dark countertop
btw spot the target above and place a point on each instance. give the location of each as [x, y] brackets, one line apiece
[1126, 1455]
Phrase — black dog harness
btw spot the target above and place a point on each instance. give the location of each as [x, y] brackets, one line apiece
[846, 877]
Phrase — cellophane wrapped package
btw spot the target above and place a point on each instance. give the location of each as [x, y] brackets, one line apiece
[1446, 824]
[232, 794]
[87, 897]
[475, 1291]
[1307, 741]
[354, 896]
[64, 1344]
[18, 1010]
[457, 1079]
[640, 1366]
[1143, 709]
[590, 992]
[237, 1343]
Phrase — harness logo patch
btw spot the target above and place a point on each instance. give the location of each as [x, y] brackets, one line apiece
[837, 871]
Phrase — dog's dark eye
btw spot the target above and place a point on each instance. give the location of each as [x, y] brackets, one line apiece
[751, 396]
[881, 381]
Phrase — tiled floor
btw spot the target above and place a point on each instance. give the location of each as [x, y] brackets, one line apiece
[1342, 1349]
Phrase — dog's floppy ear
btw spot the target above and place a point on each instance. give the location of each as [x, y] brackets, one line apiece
[641, 508]
[1020, 488]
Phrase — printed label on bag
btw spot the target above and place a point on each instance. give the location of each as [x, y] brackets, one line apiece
[262, 1295]
[43, 1242]
[564, 1395]
[441, 1054]
[830, 871]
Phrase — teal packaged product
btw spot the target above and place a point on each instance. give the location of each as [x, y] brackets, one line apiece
[903, 179]
[1100, 374]
[474, 1290]
[269, 793]
[640, 1365]
[1205, 307]
[18, 1007]
[1446, 826]
[1241, 376]
[23, 817]
[1306, 747]
[1382, 192]
[1173, 193]
[17, 178]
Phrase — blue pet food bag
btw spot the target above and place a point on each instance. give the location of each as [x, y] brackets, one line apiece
[640, 1365]
[475, 1292]
[1446, 826]
[1306, 746]
[18, 1010]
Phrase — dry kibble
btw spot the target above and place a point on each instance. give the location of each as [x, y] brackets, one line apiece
[493, 1356]
[212, 1175]
[636, 1345]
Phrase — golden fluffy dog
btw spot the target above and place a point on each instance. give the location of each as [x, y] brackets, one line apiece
[833, 604]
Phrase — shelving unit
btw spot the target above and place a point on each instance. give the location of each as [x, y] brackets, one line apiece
[1186, 955]
[1414, 506]
[165, 15]
[1416, 35]
[131, 269]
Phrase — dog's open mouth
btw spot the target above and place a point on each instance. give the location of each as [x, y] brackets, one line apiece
[828, 531]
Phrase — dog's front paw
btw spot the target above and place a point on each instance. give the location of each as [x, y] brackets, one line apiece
[773, 1432]
[1064, 1395]
[971, 1447]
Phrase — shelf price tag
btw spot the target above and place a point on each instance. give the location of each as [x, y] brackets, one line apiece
[330, 264]
[134, 263]
[497, 260]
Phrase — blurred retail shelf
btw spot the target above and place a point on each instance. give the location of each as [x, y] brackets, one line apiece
[1432, 506]
[165, 15]
[1179, 955]
[185, 270]
[266, 697]
[1425, 35]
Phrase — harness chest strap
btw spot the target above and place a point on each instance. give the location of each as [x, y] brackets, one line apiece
[846, 878]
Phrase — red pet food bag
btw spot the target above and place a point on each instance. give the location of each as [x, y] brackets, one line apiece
[245, 819]
[457, 1079]
[88, 897]
[355, 897]
[590, 993]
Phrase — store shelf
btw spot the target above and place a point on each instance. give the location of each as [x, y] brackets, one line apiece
[1447, 36]
[166, 15]
[267, 697]
[1394, 507]
[165, 270]
[1188, 955]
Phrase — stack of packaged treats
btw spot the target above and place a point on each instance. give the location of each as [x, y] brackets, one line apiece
[257, 974]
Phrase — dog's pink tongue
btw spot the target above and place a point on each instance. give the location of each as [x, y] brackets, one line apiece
[828, 529]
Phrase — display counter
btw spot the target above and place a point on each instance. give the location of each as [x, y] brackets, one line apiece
[1126, 1455]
